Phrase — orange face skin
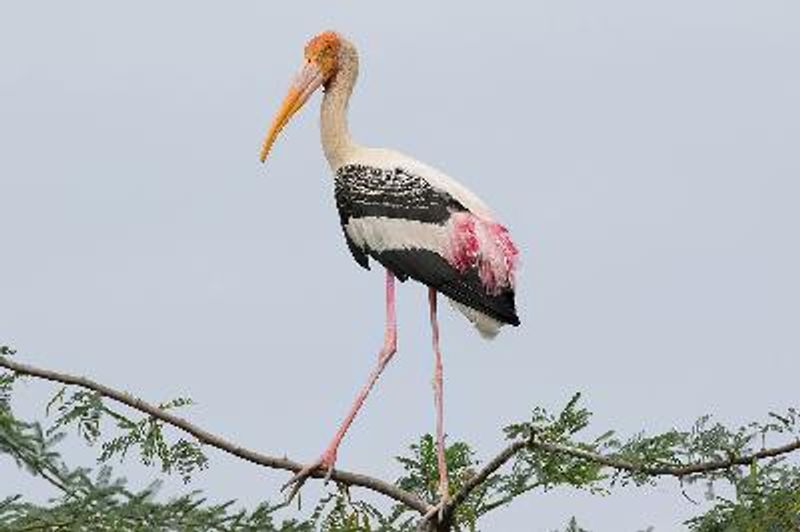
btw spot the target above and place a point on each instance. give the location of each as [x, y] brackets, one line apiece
[323, 50]
[322, 63]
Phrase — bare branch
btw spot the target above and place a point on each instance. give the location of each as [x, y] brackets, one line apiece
[488, 507]
[207, 438]
[493, 465]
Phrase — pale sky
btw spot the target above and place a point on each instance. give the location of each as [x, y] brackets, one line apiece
[645, 157]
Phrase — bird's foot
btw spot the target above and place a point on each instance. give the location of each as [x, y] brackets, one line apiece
[438, 509]
[323, 463]
[444, 499]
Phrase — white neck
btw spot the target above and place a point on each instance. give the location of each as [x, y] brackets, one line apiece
[336, 141]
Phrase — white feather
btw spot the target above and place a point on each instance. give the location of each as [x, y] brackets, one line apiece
[381, 234]
[487, 326]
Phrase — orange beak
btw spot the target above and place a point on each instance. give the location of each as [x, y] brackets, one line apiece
[309, 79]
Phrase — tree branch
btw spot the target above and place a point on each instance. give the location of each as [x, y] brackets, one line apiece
[678, 471]
[488, 507]
[409, 499]
[493, 465]
[55, 482]
[207, 438]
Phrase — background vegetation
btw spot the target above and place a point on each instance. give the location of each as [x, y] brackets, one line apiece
[545, 451]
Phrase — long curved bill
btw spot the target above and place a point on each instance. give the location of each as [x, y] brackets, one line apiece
[309, 79]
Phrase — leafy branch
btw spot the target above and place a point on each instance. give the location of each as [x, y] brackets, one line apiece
[543, 452]
[203, 436]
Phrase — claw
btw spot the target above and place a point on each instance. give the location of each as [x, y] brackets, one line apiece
[437, 510]
[328, 474]
[444, 500]
[324, 462]
[299, 479]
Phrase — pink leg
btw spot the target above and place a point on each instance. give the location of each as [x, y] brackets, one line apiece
[438, 399]
[328, 458]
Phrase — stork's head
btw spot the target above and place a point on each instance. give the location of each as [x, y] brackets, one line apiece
[321, 64]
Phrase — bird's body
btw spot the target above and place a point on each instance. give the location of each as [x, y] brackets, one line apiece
[415, 220]
[392, 214]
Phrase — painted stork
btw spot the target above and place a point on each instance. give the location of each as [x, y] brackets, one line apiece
[411, 218]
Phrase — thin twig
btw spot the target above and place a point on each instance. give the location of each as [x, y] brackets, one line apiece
[488, 507]
[55, 482]
[44, 526]
[207, 438]
[493, 465]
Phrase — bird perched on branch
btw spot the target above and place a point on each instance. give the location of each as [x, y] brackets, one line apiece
[414, 220]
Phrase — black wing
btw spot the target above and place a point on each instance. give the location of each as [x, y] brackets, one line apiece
[395, 193]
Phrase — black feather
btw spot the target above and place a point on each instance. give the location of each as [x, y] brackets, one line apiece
[394, 193]
[433, 270]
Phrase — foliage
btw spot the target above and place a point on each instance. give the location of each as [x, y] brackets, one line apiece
[534, 467]
[337, 511]
[767, 499]
[573, 526]
[549, 450]
[103, 502]
[85, 409]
